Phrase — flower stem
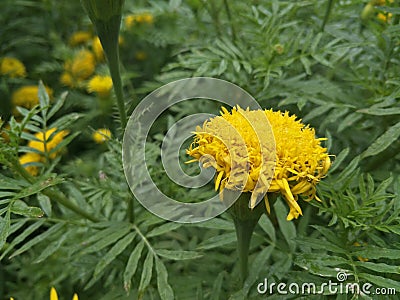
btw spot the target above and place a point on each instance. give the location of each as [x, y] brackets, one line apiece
[108, 32]
[245, 221]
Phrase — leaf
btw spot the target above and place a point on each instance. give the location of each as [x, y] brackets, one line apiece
[372, 252]
[165, 290]
[163, 229]
[287, 228]
[384, 141]
[379, 267]
[178, 254]
[51, 249]
[131, 266]
[4, 228]
[217, 286]
[113, 253]
[315, 243]
[218, 241]
[44, 99]
[258, 264]
[37, 239]
[146, 273]
[21, 208]
[381, 281]
[105, 238]
[45, 203]
[268, 227]
[22, 236]
[377, 111]
[57, 105]
[216, 223]
[37, 187]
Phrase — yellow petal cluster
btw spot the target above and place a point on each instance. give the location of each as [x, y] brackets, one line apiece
[101, 85]
[47, 141]
[80, 68]
[144, 18]
[27, 96]
[300, 160]
[79, 38]
[28, 158]
[54, 296]
[101, 135]
[12, 67]
[97, 49]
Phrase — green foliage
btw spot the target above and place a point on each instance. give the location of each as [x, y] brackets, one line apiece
[75, 225]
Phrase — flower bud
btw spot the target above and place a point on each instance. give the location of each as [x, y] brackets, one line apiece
[102, 10]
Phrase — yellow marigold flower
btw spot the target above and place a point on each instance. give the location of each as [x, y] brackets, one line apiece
[132, 20]
[27, 96]
[101, 135]
[79, 37]
[97, 49]
[52, 141]
[82, 66]
[28, 158]
[101, 85]
[67, 80]
[140, 55]
[12, 67]
[300, 159]
[54, 296]
[385, 18]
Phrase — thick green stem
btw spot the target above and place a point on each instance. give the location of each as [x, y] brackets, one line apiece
[108, 32]
[245, 220]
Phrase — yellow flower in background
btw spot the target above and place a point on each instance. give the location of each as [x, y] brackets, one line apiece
[101, 85]
[144, 18]
[67, 80]
[384, 17]
[54, 296]
[140, 55]
[52, 141]
[101, 135]
[82, 65]
[28, 158]
[12, 67]
[97, 49]
[79, 37]
[27, 96]
[300, 159]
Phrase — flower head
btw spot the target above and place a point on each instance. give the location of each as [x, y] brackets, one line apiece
[79, 37]
[12, 67]
[144, 18]
[27, 96]
[48, 141]
[101, 135]
[83, 65]
[102, 10]
[101, 85]
[26, 161]
[299, 163]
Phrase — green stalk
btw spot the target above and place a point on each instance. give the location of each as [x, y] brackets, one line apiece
[245, 221]
[108, 32]
[106, 18]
